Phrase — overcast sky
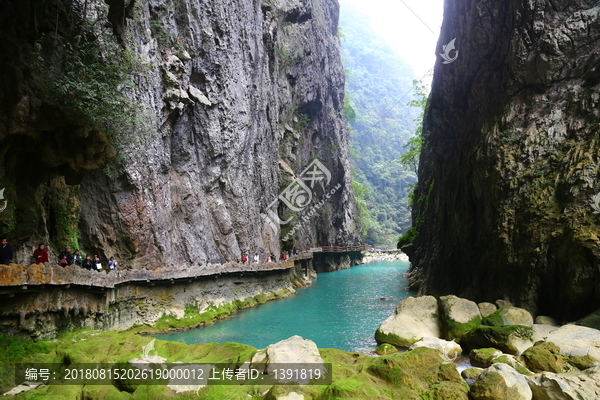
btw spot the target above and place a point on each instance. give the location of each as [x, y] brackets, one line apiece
[411, 35]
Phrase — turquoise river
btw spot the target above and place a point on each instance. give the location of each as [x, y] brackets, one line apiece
[340, 310]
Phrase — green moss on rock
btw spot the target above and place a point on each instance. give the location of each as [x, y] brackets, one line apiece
[494, 319]
[456, 330]
[393, 339]
[385, 348]
[545, 356]
[500, 337]
[483, 357]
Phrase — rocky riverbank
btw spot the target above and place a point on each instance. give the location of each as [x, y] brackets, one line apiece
[42, 300]
[517, 357]
[369, 256]
[421, 373]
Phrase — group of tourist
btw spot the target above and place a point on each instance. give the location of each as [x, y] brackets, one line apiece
[271, 257]
[40, 256]
[67, 258]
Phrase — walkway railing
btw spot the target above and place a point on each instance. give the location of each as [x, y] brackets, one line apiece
[330, 249]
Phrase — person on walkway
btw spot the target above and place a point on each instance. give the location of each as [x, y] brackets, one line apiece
[97, 263]
[77, 259]
[268, 258]
[112, 264]
[67, 253]
[295, 251]
[6, 252]
[87, 263]
[244, 259]
[256, 258]
[63, 261]
[40, 255]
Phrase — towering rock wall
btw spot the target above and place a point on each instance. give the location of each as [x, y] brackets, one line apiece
[233, 100]
[511, 158]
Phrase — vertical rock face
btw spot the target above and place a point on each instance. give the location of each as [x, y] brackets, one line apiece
[511, 158]
[239, 97]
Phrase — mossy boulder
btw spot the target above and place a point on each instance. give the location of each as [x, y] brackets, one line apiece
[421, 370]
[493, 319]
[414, 319]
[511, 339]
[544, 320]
[385, 348]
[516, 316]
[486, 309]
[544, 356]
[449, 350]
[591, 321]
[471, 374]
[514, 362]
[459, 316]
[500, 382]
[580, 344]
[483, 357]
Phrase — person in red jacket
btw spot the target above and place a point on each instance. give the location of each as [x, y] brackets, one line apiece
[40, 255]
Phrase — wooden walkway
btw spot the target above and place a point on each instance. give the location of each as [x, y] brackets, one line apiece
[19, 277]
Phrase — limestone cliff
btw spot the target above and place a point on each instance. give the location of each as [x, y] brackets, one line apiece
[189, 118]
[511, 158]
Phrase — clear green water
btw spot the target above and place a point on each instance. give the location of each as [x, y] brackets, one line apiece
[340, 310]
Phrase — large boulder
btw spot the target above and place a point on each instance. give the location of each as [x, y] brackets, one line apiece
[544, 320]
[415, 318]
[485, 358]
[591, 321]
[516, 316]
[422, 371]
[459, 316]
[500, 382]
[542, 331]
[511, 339]
[545, 356]
[449, 350]
[580, 344]
[550, 386]
[486, 309]
[294, 350]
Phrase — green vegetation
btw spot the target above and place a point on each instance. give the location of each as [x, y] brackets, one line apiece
[193, 318]
[67, 212]
[410, 159]
[417, 374]
[15, 350]
[455, 330]
[378, 88]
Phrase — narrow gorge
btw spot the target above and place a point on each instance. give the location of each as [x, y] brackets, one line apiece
[506, 203]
